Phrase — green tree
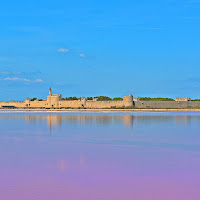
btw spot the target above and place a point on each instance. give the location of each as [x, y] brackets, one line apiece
[103, 98]
[33, 99]
[71, 98]
[156, 99]
[117, 99]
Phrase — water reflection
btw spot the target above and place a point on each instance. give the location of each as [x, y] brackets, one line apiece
[115, 155]
[127, 120]
[57, 120]
[185, 119]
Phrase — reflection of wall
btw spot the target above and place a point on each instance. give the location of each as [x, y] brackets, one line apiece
[183, 119]
[55, 120]
[125, 119]
[128, 120]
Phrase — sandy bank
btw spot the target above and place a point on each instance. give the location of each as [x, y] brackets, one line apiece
[99, 110]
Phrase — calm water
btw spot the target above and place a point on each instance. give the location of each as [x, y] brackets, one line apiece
[103, 156]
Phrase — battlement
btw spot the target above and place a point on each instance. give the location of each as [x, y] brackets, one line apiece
[183, 99]
[55, 101]
[128, 100]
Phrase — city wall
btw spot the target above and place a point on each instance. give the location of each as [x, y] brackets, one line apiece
[19, 104]
[36, 104]
[166, 104]
[64, 104]
[104, 104]
[70, 104]
[55, 101]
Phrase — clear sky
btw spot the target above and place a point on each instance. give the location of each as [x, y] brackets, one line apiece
[90, 48]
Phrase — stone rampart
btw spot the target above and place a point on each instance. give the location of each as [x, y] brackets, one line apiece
[19, 104]
[70, 104]
[37, 104]
[183, 99]
[55, 101]
[166, 104]
[104, 104]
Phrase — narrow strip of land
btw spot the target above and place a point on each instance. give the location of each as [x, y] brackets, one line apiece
[101, 110]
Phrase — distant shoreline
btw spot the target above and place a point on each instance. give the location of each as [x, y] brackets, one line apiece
[101, 110]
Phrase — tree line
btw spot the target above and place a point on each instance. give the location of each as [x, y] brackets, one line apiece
[98, 98]
[156, 99]
[106, 98]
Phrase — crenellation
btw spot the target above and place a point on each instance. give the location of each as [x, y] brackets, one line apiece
[55, 101]
[183, 99]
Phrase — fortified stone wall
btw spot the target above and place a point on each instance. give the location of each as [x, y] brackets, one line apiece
[23, 104]
[70, 104]
[166, 104]
[183, 99]
[19, 104]
[37, 104]
[104, 104]
[54, 101]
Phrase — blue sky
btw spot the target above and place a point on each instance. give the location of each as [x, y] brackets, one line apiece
[90, 48]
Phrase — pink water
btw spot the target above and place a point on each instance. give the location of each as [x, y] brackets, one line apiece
[104, 156]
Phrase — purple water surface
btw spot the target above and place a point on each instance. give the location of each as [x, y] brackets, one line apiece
[103, 156]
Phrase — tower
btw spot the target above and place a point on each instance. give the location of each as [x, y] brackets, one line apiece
[50, 91]
[128, 100]
[27, 102]
[53, 100]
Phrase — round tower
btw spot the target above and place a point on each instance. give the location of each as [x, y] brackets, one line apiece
[83, 101]
[27, 102]
[128, 100]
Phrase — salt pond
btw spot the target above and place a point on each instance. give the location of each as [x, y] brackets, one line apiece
[103, 156]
